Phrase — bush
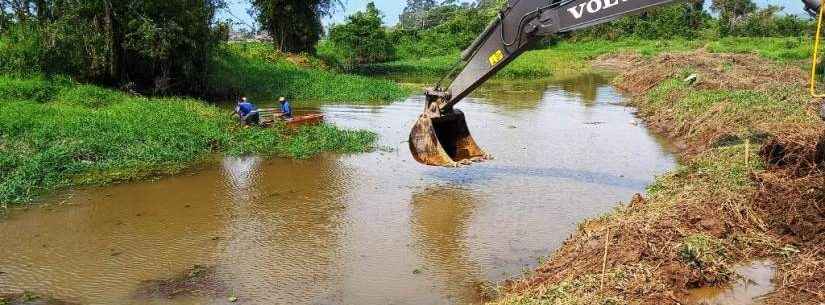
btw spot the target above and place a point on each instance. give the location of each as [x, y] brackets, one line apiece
[20, 51]
[362, 39]
[768, 22]
[460, 28]
[37, 88]
[682, 20]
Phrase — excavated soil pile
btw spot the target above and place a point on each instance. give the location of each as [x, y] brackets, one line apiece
[792, 198]
[714, 71]
[690, 235]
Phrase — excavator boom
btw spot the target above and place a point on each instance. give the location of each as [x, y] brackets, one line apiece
[441, 137]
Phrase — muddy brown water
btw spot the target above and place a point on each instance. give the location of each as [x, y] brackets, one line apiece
[755, 280]
[374, 228]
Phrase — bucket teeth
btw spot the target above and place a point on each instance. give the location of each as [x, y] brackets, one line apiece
[443, 139]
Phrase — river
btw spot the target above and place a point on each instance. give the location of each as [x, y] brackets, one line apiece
[374, 228]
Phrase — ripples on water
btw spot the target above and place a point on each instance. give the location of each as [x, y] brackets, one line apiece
[372, 228]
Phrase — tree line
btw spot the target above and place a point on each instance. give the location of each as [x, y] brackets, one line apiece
[149, 46]
[428, 28]
[169, 46]
[157, 46]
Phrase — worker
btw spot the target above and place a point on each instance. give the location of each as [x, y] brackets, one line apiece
[286, 109]
[247, 112]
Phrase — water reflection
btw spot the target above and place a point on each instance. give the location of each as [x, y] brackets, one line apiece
[350, 229]
[440, 219]
[281, 243]
[588, 86]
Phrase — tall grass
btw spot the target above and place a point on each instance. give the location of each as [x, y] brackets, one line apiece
[55, 134]
[256, 70]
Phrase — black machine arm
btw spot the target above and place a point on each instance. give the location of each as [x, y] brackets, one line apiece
[522, 22]
[812, 7]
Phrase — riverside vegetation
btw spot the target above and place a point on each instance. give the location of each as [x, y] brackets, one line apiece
[58, 133]
[750, 184]
[87, 94]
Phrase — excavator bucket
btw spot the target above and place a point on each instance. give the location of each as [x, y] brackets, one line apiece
[443, 139]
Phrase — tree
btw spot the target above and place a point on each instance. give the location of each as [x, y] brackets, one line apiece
[154, 45]
[731, 12]
[362, 38]
[295, 25]
[415, 13]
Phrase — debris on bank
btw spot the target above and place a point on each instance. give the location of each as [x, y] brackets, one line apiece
[752, 186]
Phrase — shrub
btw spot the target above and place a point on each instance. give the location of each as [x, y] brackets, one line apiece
[362, 39]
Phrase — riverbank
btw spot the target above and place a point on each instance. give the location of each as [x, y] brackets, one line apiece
[569, 57]
[750, 187]
[263, 74]
[57, 133]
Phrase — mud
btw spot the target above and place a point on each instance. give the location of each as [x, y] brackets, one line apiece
[375, 228]
[197, 281]
[754, 282]
[28, 298]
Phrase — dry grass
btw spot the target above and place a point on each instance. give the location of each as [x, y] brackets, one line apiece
[751, 186]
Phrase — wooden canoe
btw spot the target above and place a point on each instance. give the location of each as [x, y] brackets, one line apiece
[269, 116]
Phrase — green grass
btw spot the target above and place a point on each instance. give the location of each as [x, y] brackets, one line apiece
[574, 56]
[257, 71]
[55, 133]
[779, 49]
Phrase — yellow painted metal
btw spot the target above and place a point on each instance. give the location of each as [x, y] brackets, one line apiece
[817, 41]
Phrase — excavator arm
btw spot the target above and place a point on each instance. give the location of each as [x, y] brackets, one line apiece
[440, 137]
[521, 23]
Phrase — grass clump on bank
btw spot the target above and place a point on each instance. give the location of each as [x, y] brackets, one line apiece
[750, 187]
[258, 71]
[56, 133]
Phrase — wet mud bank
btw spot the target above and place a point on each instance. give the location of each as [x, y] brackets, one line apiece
[751, 187]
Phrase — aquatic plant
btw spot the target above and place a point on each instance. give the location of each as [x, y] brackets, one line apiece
[55, 134]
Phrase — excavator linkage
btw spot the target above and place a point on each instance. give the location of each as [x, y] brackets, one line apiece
[442, 138]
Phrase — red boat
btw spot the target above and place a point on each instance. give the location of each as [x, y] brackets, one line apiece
[269, 116]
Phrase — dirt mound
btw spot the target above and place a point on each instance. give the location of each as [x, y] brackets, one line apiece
[798, 149]
[713, 70]
[618, 62]
[199, 280]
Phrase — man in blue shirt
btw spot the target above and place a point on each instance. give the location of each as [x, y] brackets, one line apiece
[286, 109]
[247, 112]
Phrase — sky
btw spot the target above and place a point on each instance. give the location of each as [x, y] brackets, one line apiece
[393, 8]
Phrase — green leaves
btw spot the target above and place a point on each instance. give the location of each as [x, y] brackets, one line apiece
[362, 39]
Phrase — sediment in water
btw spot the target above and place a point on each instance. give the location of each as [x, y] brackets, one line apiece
[28, 298]
[197, 281]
